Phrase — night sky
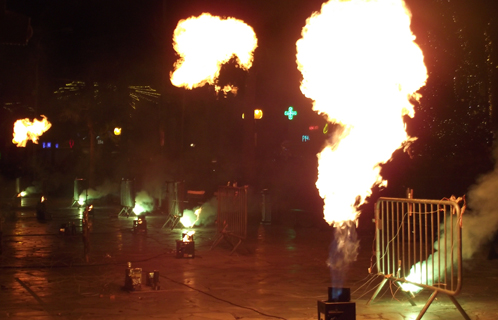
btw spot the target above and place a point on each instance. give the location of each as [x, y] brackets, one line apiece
[117, 41]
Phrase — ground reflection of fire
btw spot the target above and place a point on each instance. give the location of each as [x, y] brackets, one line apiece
[361, 68]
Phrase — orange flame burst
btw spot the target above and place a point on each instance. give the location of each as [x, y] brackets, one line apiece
[361, 67]
[204, 44]
[25, 130]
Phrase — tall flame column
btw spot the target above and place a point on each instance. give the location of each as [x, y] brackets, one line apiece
[360, 67]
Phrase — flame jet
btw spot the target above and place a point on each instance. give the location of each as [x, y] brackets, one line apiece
[25, 130]
[361, 67]
[204, 44]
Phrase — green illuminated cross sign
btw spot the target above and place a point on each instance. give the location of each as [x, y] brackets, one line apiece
[290, 113]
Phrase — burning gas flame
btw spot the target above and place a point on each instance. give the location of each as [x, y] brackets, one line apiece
[82, 199]
[204, 44]
[361, 67]
[187, 219]
[188, 236]
[25, 130]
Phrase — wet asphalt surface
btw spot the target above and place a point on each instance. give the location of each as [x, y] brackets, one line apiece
[278, 272]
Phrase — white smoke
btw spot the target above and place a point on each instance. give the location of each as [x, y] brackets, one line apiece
[101, 191]
[208, 213]
[143, 202]
[35, 189]
[479, 225]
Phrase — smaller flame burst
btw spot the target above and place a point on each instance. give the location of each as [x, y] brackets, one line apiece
[25, 130]
[187, 219]
[199, 61]
[188, 236]
[81, 200]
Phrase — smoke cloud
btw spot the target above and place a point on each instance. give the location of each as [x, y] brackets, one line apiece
[208, 213]
[33, 189]
[481, 223]
[101, 191]
[343, 251]
[144, 202]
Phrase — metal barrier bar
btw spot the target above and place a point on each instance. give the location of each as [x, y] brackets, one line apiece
[232, 215]
[419, 246]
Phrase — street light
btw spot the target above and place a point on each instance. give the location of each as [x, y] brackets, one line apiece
[258, 114]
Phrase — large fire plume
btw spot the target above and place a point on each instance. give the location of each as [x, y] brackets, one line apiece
[204, 44]
[361, 67]
[25, 130]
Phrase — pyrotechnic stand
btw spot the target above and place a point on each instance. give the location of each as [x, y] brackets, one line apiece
[419, 246]
[80, 193]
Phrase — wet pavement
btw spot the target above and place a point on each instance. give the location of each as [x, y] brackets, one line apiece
[278, 272]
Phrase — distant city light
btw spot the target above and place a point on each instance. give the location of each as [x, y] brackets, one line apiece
[290, 113]
[117, 131]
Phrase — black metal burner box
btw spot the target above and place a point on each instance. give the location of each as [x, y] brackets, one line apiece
[338, 306]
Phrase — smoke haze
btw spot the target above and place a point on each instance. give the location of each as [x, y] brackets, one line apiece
[481, 223]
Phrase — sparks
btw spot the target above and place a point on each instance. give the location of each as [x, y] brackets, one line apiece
[361, 67]
[204, 44]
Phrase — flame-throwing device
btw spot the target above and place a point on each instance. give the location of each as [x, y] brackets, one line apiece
[153, 280]
[185, 248]
[338, 305]
[140, 225]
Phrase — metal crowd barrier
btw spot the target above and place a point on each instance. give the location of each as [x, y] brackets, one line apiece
[127, 200]
[232, 216]
[175, 193]
[419, 246]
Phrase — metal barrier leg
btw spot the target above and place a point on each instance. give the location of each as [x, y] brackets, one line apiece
[381, 285]
[236, 246]
[173, 219]
[452, 298]
[459, 307]
[221, 236]
[408, 295]
[125, 211]
[427, 304]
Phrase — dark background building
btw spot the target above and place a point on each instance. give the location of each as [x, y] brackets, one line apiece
[93, 65]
